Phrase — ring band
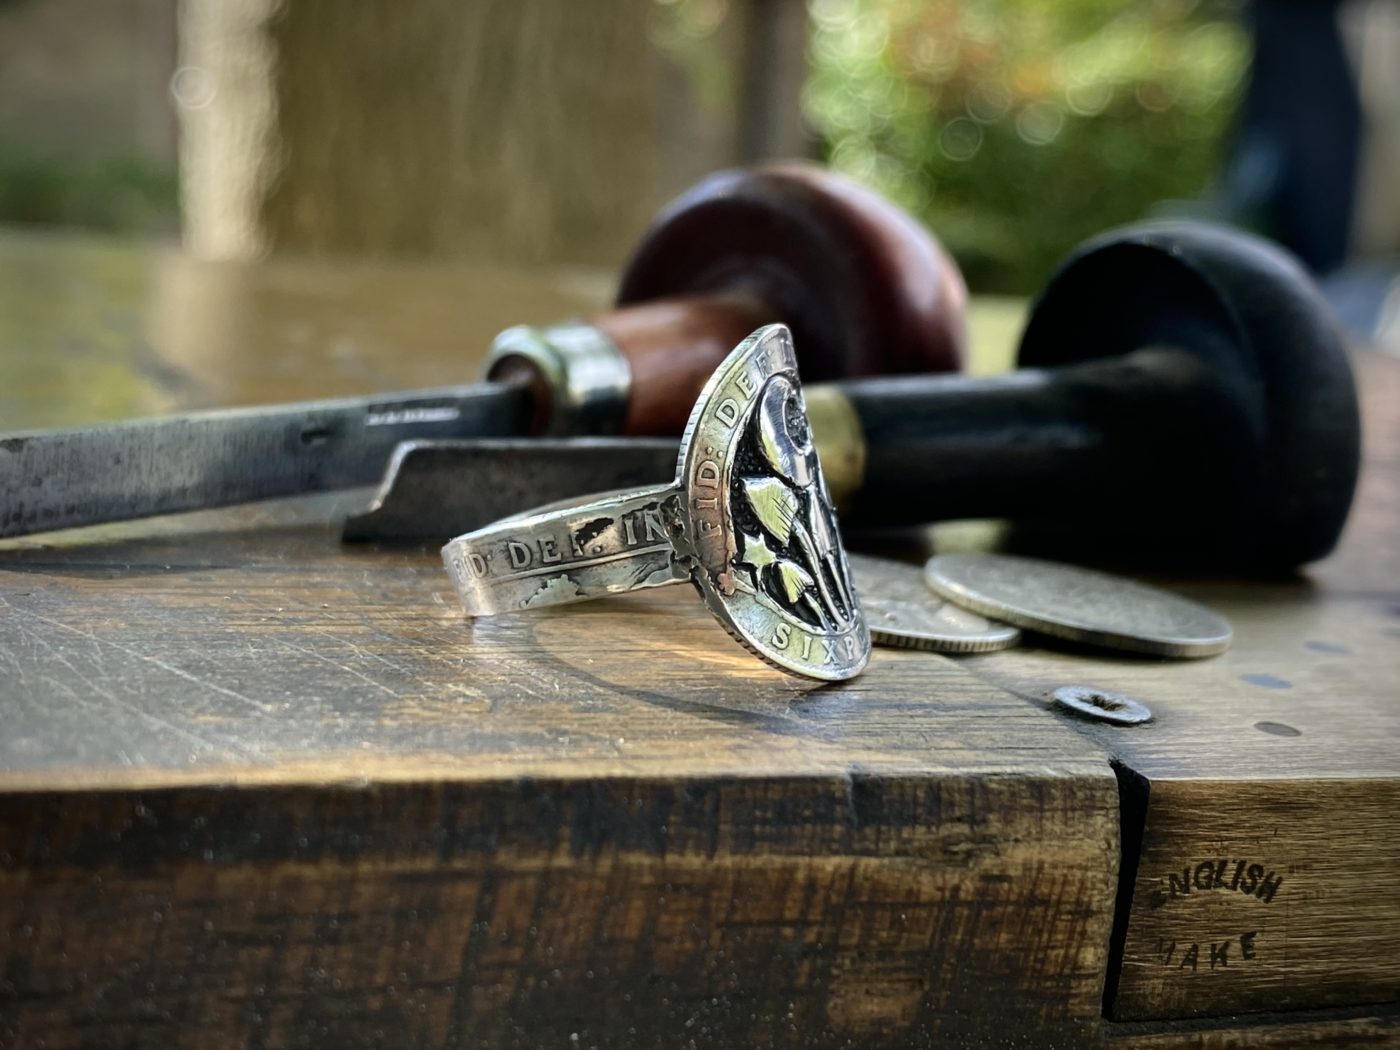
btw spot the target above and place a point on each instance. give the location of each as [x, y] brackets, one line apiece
[568, 552]
[748, 520]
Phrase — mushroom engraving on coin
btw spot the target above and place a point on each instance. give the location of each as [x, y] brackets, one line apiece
[805, 573]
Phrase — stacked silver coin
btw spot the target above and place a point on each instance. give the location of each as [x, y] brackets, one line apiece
[903, 611]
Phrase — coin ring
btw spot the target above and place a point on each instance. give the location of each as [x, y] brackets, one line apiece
[904, 613]
[1079, 605]
[748, 521]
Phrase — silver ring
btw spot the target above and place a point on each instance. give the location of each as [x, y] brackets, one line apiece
[748, 520]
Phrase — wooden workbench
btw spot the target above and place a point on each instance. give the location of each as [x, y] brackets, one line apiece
[261, 789]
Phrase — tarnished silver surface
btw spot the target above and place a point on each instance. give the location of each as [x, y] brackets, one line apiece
[1078, 604]
[1101, 705]
[748, 520]
[54, 479]
[587, 375]
[606, 545]
[434, 490]
[904, 613]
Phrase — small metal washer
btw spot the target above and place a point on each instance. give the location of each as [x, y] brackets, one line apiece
[1102, 706]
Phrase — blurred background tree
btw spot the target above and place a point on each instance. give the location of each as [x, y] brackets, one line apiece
[87, 124]
[1016, 128]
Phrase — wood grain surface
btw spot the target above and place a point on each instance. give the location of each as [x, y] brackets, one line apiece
[259, 789]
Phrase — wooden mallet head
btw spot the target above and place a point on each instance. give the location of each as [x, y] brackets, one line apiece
[865, 289]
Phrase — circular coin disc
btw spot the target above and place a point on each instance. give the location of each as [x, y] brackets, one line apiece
[1079, 605]
[904, 613]
[757, 522]
[1101, 705]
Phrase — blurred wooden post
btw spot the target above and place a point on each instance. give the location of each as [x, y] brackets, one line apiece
[514, 131]
[774, 71]
[1373, 31]
[500, 130]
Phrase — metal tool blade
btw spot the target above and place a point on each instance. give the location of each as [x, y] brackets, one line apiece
[52, 479]
[434, 490]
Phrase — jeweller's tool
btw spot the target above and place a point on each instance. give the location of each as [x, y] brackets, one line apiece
[867, 290]
[746, 520]
[1185, 395]
[904, 613]
[1078, 605]
[422, 498]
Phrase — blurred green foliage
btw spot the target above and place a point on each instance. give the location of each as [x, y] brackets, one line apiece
[122, 193]
[1016, 128]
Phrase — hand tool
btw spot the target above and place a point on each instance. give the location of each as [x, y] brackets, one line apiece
[1184, 396]
[864, 286]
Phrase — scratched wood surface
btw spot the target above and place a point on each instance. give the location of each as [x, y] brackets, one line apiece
[1267, 788]
[260, 789]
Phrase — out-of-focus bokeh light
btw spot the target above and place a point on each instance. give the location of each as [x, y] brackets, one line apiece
[1016, 128]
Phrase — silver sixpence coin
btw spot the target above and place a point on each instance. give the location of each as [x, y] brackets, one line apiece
[1079, 605]
[759, 528]
[903, 612]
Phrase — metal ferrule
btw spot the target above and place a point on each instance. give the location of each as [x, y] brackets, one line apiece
[586, 375]
[840, 442]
